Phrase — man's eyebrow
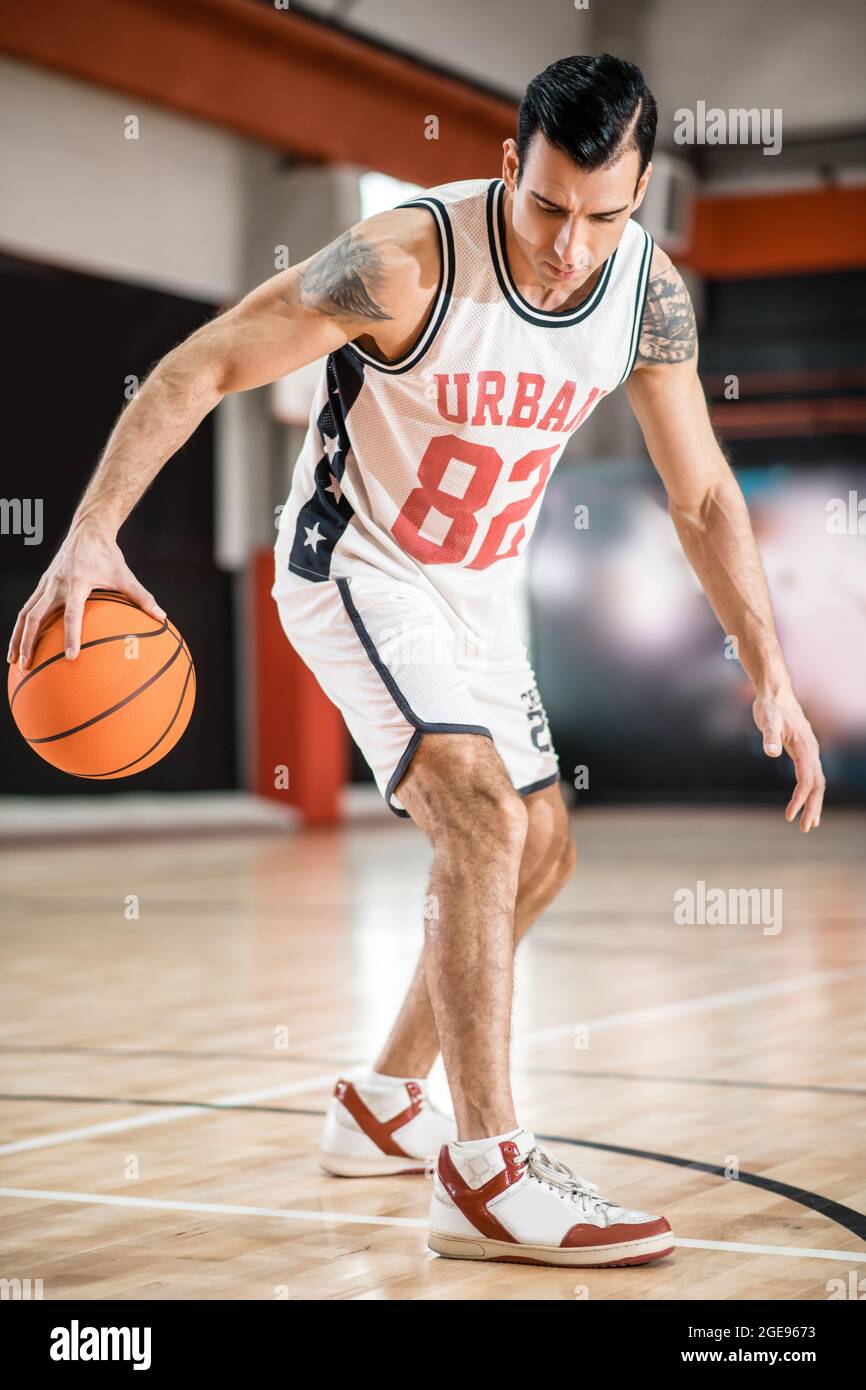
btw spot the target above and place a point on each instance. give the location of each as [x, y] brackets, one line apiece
[608, 212]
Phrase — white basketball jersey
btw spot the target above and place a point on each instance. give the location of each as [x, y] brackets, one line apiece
[431, 469]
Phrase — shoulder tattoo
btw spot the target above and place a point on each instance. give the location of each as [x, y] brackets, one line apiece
[345, 279]
[668, 332]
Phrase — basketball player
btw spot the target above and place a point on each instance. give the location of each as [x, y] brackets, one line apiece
[464, 336]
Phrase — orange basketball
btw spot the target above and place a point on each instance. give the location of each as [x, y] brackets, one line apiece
[120, 706]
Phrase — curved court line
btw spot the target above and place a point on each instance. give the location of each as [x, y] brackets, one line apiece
[853, 1221]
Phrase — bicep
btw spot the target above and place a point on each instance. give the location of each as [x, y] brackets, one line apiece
[666, 395]
[270, 333]
[668, 332]
[314, 308]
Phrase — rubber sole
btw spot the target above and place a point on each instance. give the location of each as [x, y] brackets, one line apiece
[635, 1252]
[382, 1166]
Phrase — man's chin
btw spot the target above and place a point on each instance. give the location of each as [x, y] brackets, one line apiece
[575, 278]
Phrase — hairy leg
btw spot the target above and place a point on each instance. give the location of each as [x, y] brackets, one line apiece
[462, 798]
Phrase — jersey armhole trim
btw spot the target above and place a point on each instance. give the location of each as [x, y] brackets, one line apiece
[439, 308]
[640, 303]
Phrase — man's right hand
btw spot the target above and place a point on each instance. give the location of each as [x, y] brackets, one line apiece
[89, 558]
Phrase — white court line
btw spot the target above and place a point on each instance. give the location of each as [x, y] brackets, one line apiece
[164, 1117]
[704, 1003]
[793, 1251]
[221, 1209]
[357, 1219]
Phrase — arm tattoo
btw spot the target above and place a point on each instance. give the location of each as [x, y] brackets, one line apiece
[668, 330]
[344, 279]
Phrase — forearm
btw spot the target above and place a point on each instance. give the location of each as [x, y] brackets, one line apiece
[718, 541]
[170, 406]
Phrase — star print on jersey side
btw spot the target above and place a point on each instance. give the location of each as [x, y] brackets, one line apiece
[324, 516]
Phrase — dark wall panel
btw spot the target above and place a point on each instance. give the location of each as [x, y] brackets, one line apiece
[72, 340]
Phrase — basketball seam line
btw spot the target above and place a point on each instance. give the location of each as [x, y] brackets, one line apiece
[66, 733]
[94, 642]
[98, 776]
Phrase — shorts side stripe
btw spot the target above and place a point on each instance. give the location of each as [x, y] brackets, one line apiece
[421, 726]
[538, 786]
[408, 754]
[389, 682]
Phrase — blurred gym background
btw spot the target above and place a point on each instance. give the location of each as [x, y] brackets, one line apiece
[158, 161]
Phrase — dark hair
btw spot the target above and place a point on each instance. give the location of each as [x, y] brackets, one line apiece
[592, 109]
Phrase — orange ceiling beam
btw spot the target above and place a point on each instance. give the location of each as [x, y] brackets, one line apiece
[271, 75]
[324, 95]
[790, 233]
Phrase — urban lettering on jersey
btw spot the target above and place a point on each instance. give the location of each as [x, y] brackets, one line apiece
[524, 401]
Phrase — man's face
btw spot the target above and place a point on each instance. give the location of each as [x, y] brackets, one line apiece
[567, 222]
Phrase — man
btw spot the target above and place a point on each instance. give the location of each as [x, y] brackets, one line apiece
[466, 335]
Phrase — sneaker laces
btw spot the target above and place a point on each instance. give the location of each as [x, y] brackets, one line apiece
[543, 1166]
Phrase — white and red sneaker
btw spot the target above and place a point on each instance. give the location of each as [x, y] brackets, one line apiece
[510, 1200]
[373, 1130]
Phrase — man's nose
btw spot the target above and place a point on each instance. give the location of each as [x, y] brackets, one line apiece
[571, 247]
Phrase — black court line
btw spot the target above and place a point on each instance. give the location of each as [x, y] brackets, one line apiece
[694, 1081]
[837, 1212]
[853, 1221]
[346, 1062]
[158, 1104]
[193, 1053]
[33, 903]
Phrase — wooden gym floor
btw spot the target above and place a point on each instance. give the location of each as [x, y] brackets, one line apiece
[166, 1064]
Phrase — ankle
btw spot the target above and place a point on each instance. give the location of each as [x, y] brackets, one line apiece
[487, 1139]
[496, 1126]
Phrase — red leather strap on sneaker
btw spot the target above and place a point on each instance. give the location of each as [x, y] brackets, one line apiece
[380, 1131]
[587, 1234]
[472, 1201]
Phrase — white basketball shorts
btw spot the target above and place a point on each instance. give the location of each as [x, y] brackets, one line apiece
[397, 668]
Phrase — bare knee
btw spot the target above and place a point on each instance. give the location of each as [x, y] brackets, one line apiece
[566, 860]
[551, 854]
[458, 790]
[487, 817]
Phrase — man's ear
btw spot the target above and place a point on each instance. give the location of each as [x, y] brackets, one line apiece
[642, 186]
[510, 161]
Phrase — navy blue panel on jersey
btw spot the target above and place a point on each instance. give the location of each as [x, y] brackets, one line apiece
[322, 520]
